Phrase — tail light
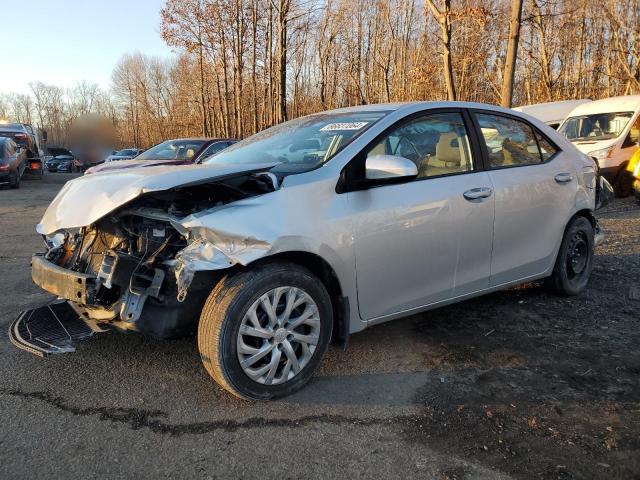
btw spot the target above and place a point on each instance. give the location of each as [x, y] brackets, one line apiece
[21, 136]
[4, 168]
[34, 166]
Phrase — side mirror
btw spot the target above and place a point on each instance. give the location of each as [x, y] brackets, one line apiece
[389, 167]
[629, 141]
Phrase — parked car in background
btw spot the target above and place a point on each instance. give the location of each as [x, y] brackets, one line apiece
[609, 131]
[551, 113]
[182, 151]
[29, 138]
[13, 159]
[60, 160]
[23, 135]
[318, 228]
[125, 154]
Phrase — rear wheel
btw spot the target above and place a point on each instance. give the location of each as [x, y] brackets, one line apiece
[575, 259]
[16, 180]
[263, 331]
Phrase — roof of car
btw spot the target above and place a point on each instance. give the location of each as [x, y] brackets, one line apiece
[551, 111]
[625, 103]
[187, 139]
[382, 107]
[14, 127]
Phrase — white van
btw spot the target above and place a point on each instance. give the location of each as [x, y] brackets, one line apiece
[551, 113]
[609, 131]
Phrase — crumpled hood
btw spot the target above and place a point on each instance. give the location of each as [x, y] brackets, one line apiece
[87, 199]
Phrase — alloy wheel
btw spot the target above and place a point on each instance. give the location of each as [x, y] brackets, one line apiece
[278, 335]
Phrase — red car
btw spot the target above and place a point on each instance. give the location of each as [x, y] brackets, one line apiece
[182, 151]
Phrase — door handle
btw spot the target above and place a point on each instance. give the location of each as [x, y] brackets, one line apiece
[563, 177]
[477, 193]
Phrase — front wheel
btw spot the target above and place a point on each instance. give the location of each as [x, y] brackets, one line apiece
[263, 331]
[575, 259]
[623, 183]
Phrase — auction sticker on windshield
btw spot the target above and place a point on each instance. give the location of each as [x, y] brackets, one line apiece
[343, 126]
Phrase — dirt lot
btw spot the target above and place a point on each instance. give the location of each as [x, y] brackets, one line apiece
[517, 384]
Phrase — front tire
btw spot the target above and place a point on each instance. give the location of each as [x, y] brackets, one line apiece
[575, 259]
[623, 183]
[263, 331]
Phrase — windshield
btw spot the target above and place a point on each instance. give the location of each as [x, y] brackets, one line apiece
[172, 150]
[126, 153]
[300, 144]
[598, 126]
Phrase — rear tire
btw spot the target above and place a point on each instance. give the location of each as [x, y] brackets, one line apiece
[16, 181]
[574, 262]
[235, 327]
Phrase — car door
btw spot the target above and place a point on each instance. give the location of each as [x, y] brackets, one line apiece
[422, 241]
[535, 187]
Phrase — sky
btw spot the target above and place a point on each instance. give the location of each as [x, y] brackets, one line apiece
[62, 42]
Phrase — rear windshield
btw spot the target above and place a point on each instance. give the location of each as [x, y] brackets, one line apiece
[126, 153]
[17, 127]
[173, 150]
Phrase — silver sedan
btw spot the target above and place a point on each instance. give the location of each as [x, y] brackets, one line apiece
[320, 227]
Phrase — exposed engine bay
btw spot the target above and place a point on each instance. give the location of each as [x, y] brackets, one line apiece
[133, 267]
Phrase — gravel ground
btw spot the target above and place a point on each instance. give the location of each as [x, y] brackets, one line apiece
[516, 384]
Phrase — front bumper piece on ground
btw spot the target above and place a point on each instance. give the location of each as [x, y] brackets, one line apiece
[54, 328]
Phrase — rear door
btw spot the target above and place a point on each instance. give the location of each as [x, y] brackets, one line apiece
[429, 239]
[535, 187]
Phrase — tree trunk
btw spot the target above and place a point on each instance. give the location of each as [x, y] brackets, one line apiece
[283, 11]
[512, 53]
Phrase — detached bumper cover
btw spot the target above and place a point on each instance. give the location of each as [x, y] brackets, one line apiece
[54, 328]
[75, 286]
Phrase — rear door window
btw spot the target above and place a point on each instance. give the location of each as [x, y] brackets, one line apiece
[547, 150]
[510, 142]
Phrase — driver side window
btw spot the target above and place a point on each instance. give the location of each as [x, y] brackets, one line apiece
[437, 143]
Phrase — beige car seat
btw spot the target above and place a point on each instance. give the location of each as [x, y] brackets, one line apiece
[448, 153]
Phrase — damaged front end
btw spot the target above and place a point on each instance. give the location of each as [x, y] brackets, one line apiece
[140, 267]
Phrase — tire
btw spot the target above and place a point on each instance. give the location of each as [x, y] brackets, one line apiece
[16, 181]
[623, 183]
[575, 259]
[222, 345]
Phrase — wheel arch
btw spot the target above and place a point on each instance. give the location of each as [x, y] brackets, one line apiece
[586, 213]
[327, 275]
